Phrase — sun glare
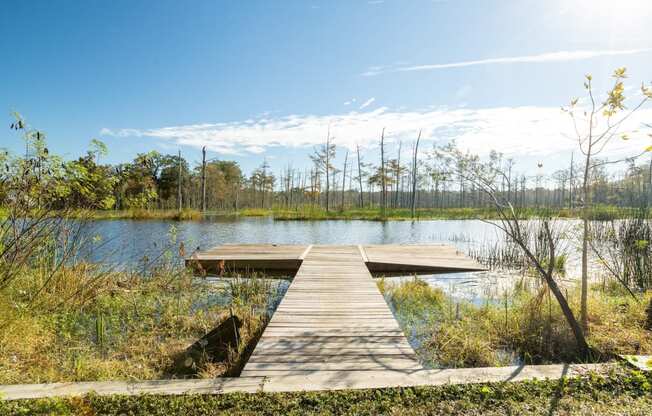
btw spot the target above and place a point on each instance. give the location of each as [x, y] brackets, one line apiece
[625, 12]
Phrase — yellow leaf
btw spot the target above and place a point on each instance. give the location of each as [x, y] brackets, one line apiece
[648, 149]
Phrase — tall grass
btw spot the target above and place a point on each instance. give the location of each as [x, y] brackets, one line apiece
[308, 212]
[624, 249]
[139, 214]
[127, 326]
[524, 326]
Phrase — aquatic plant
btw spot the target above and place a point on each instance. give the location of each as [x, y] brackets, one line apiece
[625, 251]
[525, 325]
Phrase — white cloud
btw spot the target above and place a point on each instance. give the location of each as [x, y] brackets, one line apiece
[559, 56]
[349, 102]
[367, 103]
[516, 131]
[255, 149]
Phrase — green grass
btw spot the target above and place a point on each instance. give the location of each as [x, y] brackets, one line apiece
[140, 214]
[601, 213]
[307, 212]
[620, 391]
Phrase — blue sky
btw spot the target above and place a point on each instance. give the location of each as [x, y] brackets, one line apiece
[255, 79]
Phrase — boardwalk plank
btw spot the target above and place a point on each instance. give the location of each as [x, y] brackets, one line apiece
[332, 319]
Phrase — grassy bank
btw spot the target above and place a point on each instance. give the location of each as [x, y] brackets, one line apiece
[525, 326]
[140, 214]
[599, 213]
[91, 325]
[621, 391]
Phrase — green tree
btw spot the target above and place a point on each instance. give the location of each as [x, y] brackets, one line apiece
[89, 185]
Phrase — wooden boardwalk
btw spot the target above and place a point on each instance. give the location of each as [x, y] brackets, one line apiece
[387, 258]
[333, 322]
[275, 384]
[332, 318]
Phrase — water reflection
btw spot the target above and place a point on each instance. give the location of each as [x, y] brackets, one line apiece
[128, 242]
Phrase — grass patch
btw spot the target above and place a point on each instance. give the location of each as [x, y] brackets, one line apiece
[140, 214]
[598, 213]
[526, 326]
[619, 391]
[122, 326]
[308, 212]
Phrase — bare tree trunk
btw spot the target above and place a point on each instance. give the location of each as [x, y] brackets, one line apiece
[346, 157]
[649, 185]
[179, 201]
[203, 179]
[383, 202]
[578, 332]
[398, 174]
[584, 315]
[328, 151]
[414, 176]
[357, 147]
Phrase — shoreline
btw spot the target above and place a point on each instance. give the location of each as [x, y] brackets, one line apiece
[601, 213]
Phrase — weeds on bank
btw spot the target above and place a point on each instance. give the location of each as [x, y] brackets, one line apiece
[307, 212]
[525, 326]
[124, 326]
[140, 214]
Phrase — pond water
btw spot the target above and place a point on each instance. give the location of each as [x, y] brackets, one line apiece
[138, 243]
[132, 243]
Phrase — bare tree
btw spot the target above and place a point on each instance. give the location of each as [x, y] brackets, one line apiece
[203, 179]
[414, 175]
[346, 158]
[179, 200]
[398, 172]
[361, 175]
[322, 158]
[488, 177]
[602, 122]
[383, 177]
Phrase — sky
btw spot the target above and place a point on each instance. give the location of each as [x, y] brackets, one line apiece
[254, 80]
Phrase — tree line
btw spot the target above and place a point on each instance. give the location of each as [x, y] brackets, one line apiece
[404, 177]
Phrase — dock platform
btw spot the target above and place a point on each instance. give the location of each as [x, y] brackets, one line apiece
[333, 320]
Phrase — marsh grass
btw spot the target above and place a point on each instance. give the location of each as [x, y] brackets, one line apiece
[308, 212]
[126, 326]
[139, 214]
[524, 326]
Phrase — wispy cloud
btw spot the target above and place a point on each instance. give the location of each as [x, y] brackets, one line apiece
[367, 103]
[516, 131]
[559, 56]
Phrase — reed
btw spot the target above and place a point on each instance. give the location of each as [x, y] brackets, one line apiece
[126, 326]
[524, 326]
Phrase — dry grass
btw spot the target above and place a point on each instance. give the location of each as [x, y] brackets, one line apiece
[527, 326]
[122, 327]
[141, 214]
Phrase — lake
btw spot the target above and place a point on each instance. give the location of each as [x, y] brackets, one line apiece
[125, 243]
[131, 243]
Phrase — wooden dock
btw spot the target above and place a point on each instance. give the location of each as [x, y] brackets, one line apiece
[333, 320]
[386, 258]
